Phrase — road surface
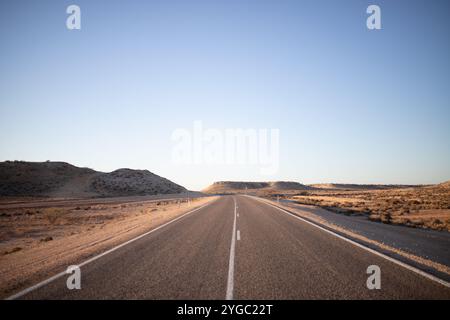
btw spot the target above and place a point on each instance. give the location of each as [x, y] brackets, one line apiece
[238, 247]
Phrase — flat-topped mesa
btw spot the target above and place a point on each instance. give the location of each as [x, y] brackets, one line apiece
[242, 186]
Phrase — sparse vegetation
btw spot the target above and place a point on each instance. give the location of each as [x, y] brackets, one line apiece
[15, 249]
[53, 215]
[421, 207]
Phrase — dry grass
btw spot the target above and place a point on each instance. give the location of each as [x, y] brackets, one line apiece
[424, 207]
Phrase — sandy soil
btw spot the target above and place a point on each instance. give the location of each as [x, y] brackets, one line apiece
[40, 242]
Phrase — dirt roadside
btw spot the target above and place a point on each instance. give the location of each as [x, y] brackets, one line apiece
[38, 243]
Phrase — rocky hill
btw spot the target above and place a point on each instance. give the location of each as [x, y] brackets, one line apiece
[60, 179]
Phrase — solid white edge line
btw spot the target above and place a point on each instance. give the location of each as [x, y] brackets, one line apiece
[393, 260]
[230, 280]
[59, 275]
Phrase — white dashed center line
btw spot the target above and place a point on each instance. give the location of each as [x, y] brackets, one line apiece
[230, 282]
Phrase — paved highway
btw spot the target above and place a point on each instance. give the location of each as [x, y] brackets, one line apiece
[238, 247]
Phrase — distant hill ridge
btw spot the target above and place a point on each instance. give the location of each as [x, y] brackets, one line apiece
[445, 184]
[352, 186]
[230, 186]
[273, 186]
[61, 179]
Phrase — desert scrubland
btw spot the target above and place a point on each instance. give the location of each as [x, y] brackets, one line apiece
[421, 207]
[410, 205]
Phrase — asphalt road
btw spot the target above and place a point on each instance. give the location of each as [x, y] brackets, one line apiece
[240, 248]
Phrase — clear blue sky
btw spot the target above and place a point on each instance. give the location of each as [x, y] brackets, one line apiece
[352, 105]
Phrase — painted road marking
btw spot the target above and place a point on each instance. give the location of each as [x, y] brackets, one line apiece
[393, 260]
[230, 282]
